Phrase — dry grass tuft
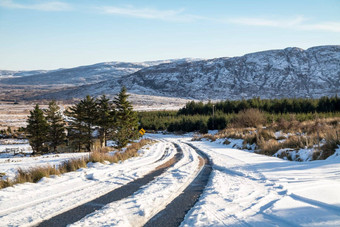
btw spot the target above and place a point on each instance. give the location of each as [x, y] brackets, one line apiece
[33, 175]
[6, 183]
[73, 165]
[102, 157]
[210, 137]
[332, 141]
[269, 147]
[236, 133]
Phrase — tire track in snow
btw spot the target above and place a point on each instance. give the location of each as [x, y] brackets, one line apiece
[260, 201]
[174, 212]
[81, 211]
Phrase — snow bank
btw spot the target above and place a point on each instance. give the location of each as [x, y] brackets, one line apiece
[250, 189]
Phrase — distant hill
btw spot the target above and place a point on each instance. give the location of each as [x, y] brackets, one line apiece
[88, 74]
[290, 72]
[13, 74]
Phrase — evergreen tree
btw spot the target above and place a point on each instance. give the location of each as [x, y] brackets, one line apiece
[37, 129]
[83, 118]
[105, 118]
[126, 120]
[75, 129]
[56, 134]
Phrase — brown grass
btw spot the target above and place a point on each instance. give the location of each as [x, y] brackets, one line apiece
[307, 134]
[249, 118]
[236, 133]
[269, 147]
[34, 174]
[5, 183]
[332, 139]
[208, 137]
[73, 165]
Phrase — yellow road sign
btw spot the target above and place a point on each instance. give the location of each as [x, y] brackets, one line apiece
[142, 131]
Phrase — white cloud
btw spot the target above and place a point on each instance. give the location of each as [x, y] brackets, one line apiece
[149, 13]
[46, 6]
[297, 23]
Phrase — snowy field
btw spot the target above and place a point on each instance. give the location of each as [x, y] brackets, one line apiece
[244, 189]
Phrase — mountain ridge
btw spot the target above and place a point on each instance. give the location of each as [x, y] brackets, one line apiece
[289, 72]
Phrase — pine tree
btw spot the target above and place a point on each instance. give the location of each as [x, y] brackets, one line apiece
[105, 118]
[83, 118]
[126, 120]
[56, 134]
[37, 129]
[75, 127]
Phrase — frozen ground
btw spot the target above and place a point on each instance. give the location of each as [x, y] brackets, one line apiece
[245, 189]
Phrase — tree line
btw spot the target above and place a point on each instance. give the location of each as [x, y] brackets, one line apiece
[173, 122]
[80, 124]
[286, 105]
[199, 116]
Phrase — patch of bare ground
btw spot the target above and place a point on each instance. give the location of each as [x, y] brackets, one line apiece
[15, 115]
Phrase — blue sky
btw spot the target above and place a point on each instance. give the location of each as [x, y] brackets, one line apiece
[36, 34]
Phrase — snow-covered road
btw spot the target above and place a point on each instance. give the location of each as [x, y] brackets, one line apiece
[29, 204]
[244, 189]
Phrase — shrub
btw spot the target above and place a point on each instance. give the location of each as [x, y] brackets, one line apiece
[283, 124]
[5, 183]
[266, 134]
[331, 144]
[209, 137]
[294, 142]
[249, 118]
[269, 147]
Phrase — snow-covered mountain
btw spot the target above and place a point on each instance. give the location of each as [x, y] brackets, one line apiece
[88, 74]
[291, 72]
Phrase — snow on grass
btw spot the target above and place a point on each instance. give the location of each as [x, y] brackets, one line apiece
[250, 189]
[10, 166]
[29, 204]
[137, 209]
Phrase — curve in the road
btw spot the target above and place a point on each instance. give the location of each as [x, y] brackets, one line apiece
[81, 211]
[173, 214]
